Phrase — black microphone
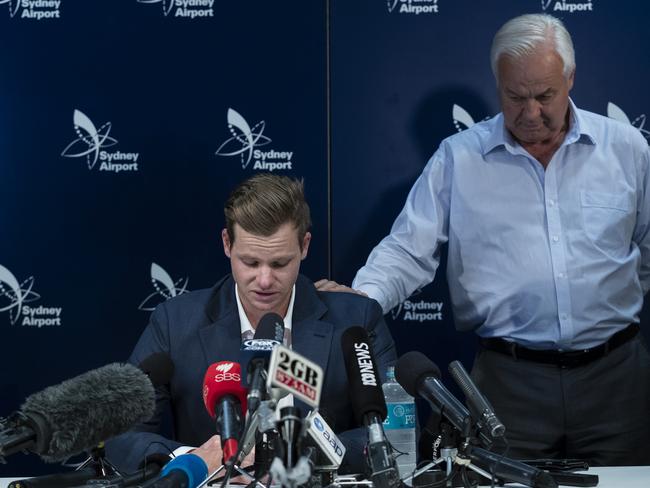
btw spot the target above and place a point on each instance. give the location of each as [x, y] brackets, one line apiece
[76, 415]
[478, 404]
[420, 377]
[255, 354]
[511, 470]
[369, 405]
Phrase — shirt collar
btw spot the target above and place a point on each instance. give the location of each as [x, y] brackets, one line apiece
[246, 324]
[499, 136]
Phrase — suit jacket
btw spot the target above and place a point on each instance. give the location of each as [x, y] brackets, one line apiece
[200, 328]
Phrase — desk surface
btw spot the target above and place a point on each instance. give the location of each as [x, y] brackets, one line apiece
[615, 477]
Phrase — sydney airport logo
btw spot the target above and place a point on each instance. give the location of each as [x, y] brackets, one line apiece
[567, 6]
[187, 9]
[461, 118]
[413, 7]
[616, 113]
[164, 288]
[15, 298]
[33, 9]
[245, 142]
[417, 311]
[91, 142]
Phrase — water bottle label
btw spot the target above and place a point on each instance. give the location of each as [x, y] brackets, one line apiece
[400, 416]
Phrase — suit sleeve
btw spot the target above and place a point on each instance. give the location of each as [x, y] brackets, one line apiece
[385, 355]
[128, 450]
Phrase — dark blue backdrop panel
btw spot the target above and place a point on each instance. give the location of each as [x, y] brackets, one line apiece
[131, 86]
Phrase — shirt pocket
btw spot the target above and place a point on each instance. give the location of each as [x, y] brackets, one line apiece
[608, 220]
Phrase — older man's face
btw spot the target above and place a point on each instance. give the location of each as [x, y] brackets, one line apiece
[265, 268]
[534, 96]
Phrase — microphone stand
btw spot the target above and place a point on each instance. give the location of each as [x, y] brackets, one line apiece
[97, 459]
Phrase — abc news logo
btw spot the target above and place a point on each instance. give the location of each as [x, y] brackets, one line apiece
[366, 367]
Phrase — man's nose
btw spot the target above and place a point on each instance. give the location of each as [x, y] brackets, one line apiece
[532, 108]
[265, 277]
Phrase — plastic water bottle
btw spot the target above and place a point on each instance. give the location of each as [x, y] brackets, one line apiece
[399, 425]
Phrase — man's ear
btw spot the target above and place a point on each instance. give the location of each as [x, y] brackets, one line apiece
[226, 242]
[305, 244]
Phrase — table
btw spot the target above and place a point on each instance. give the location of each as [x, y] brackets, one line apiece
[611, 477]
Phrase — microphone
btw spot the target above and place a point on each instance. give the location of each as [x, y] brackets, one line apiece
[255, 355]
[369, 405]
[420, 377]
[225, 399]
[330, 450]
[511, 470]
[76, 415]
[184, 471]
[477, 402]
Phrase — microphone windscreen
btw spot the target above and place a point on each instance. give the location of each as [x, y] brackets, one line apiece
[83, 411]
[366, 394]
[221, 379]
[159, 367]
[271, 326]
[411, 368]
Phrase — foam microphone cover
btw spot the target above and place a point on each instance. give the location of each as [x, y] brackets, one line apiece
[271, 326]
[221, 379]
[83, 411]
[159, 367]
[412, 368]
[366, 394]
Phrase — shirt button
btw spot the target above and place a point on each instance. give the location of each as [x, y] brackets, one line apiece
[551, 202]
[561, 275]
[555, 238]
[564, 316]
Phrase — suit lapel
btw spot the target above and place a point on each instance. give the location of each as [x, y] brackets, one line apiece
[221, 336]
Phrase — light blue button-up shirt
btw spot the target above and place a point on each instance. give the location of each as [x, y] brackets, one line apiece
[552, 259]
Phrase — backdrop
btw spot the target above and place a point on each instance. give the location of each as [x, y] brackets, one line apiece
[124, 125]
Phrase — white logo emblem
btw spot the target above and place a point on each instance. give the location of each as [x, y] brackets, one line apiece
[420, 311]
[224, 367]
[34, 9]
[89, 139]
[91, 142]
[462, 119]
[567, 6]
[18, 296]
[616, 113]
[16, 293]
[185, 8]
[244, 141]
[165, 288]
[414, 7]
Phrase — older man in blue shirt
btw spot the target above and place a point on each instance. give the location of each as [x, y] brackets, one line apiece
[546, 212]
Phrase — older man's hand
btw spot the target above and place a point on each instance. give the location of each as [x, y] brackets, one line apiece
[329, 285]
[211, 453]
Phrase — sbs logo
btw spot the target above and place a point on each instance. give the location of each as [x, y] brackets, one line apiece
[223, 373]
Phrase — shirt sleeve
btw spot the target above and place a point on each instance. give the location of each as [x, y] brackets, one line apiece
[641, 235]
[409, 256]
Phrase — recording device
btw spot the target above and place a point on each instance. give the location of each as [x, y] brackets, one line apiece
[478, 404]
[295, 374]
[76, 415]
[255, 355]
[369, 405]
[420, 377]
[225, 399]
[511, 470]
[184, 471]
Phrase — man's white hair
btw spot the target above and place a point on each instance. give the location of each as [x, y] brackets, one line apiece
[521, 36]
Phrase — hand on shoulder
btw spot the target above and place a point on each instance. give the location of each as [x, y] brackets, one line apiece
[329, 285]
